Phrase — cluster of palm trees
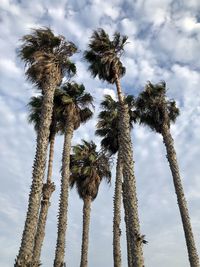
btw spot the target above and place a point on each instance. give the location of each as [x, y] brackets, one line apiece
[60, 109]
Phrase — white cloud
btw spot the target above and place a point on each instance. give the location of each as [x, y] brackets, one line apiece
[9, 67]
[190, 24]
[110, 92]
[128, 27]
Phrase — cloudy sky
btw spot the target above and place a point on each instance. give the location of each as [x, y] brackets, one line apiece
[164, 44]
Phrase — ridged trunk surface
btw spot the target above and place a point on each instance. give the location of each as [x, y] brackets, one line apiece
[85, 234]
[171, 156]
[117, 214]
[129, 255]
[26, 249]
[125, 145]
[51, 155]
[47, 191]
[63, 205]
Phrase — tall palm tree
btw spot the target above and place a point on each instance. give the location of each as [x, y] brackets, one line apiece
[108, 129]
[88, 168]
[35, 105]
[156, 111]
[47, 60]
[74, 110]
[103, 56]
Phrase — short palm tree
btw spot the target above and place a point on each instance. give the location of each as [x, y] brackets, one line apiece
[88, 168]
[47, 60]
[103, 56]
[74, 110]
[108, 129]
[157, 112]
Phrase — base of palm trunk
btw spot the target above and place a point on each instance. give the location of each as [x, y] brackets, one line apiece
[36, 264]
[47, 190]
[23, 262]
[59, 264]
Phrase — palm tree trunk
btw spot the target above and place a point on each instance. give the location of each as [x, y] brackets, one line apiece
[85, 235]
[171, 156]
[117, 214]
[119, 90]
[51, 154]
[125, 145]
[63, 205]
[47, 191]
[129, 255]
[26, 249]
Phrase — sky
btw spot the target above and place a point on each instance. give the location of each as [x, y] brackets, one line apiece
[163, 44]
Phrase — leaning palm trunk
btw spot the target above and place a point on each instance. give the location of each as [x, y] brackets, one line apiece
[26, 249]
[129, 255]
[125, 145]
[47, 191]
[171, 156]
[63, 205]
[117, 214]
[85, 234]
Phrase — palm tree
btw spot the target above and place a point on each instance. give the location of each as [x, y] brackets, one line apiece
[108, 129]
[157, 112]
[103, 56]
[88, 168]
[35, 105]
[47, 59]
[74, 110]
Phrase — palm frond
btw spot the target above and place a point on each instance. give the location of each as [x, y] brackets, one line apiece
[85, 115]
[34, 108]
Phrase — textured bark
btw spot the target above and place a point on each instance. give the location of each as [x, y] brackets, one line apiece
[125, 145]
[129, 255]
[63, 205]
[85, 234]
[51, 154]
[119, 90]
[26, 249]
[117, 214]
[48, 189]
[171, 156]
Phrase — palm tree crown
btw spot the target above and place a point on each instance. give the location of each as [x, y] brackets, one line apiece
[153, 107]
[43, 52]
[104, 54]
[108, 123]
[72, 102]
[88, 168]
